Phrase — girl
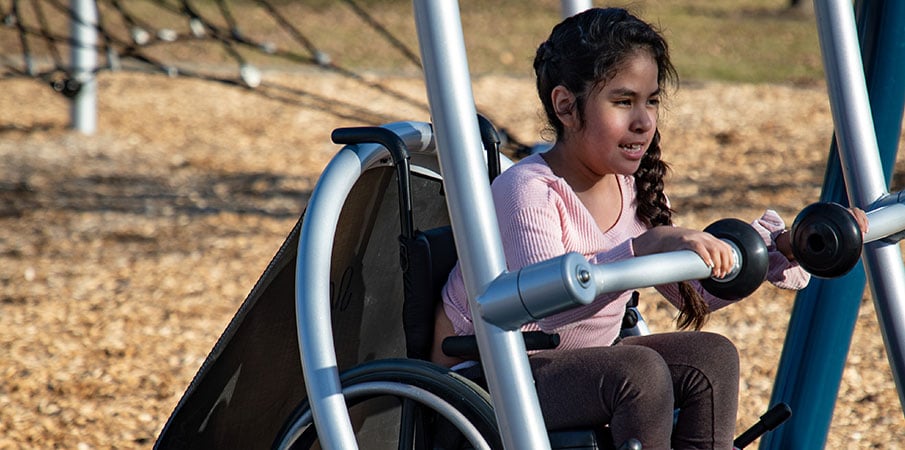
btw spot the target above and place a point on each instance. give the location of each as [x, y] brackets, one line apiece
[599, 191]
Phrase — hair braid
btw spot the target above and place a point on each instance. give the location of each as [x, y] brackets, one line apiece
[653, 210]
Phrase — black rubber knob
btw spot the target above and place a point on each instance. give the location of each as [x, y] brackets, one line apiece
[826, 240]
[755, 260]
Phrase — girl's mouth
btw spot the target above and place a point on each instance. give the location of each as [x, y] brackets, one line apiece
[635, 149]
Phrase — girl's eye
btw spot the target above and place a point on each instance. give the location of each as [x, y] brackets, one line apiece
[625, 102]
[654, 102]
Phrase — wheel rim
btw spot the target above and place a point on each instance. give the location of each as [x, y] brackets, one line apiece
[372, 389]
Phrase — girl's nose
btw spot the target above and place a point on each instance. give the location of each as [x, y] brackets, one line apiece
[643, 121]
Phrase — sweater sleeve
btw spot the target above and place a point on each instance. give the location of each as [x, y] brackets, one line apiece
[542, 224]
[783, 273]
[529, 215]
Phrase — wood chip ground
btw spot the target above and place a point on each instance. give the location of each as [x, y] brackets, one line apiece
[123, 255]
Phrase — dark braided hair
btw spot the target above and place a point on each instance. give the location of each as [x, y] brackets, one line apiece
[583, 53]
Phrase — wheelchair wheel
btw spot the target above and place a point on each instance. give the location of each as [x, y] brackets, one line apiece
[404, 404]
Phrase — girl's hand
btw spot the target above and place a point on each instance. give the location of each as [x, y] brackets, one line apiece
[861, 218]
[715, 253]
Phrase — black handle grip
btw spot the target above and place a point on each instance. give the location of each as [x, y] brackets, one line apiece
[769, 421]
[466, 347]
[398, 151]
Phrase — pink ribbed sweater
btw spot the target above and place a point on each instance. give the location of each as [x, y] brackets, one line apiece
[541, 217]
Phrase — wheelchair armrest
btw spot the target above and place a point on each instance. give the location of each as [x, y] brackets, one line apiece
[588, 439]
[466, 347]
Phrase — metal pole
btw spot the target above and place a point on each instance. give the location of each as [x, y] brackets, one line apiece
[84, 62]
[571, 7]
[824, 315]
[473, 218]
[885, 48]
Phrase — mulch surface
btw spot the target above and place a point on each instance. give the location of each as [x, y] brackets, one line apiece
[123, 255]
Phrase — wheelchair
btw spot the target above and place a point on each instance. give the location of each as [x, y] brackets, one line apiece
[381, 249]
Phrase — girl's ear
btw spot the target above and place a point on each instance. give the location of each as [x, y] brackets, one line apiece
[564, 105]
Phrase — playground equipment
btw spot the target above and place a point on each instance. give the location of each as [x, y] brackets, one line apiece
[250, 392]
[866, 97]
[341, 267]
[84, 61]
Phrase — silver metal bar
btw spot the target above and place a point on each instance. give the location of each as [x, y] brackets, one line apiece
[862, 169]
[572, 7]
[849, 102]
[84, 62]
[312, 305]
[473, 219]
[649, 270]
[883, 263]
[537, 291]
[885, 221]
[891, 199]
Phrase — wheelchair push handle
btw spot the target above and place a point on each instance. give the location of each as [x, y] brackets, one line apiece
[400, 155]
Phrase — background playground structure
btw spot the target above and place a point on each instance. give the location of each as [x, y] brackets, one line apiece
[747, 40]
[172, 211]
[232, 41]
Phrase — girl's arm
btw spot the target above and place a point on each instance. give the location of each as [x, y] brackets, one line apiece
[783, 271]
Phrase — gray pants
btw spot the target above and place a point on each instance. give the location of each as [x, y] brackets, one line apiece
[635, 386]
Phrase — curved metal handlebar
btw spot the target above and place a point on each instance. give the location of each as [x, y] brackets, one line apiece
[558, 284]
[399, 152]
[555, 285]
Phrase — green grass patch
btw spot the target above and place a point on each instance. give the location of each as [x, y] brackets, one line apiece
[754, 41]
[745, 40]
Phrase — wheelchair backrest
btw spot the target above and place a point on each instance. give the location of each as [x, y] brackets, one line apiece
[252, 379]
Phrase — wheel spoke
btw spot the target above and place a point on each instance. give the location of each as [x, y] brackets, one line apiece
[408, 414]
[423, 394]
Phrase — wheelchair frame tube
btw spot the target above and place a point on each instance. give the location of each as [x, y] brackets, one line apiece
[312, 285]
[473, 218]
[312, 303]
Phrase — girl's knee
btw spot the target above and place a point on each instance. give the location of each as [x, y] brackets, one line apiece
[701, 349]
[722, 351]
[643, 400]
[646, 371]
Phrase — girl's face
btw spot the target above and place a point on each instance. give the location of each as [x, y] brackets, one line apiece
[620, 118]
